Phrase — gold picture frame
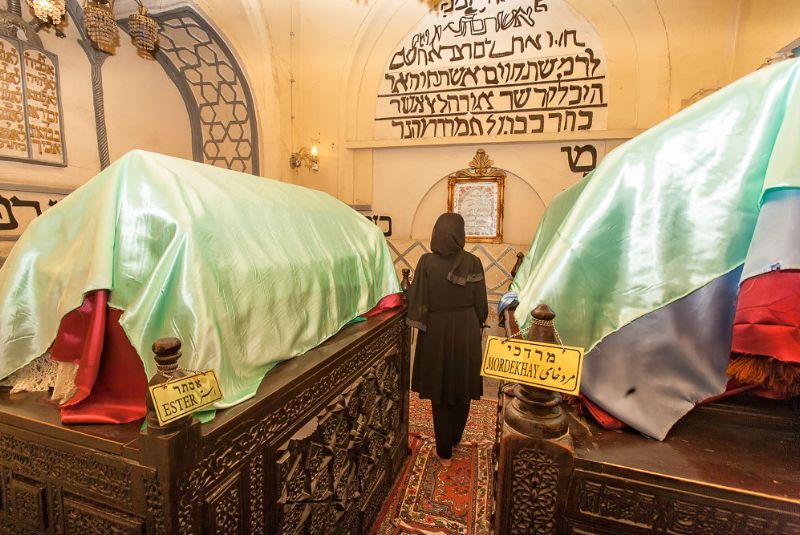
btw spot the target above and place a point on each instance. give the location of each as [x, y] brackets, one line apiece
[477, 194]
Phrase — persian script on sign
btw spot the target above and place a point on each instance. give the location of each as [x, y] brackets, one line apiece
[548, 366]
[178, 398]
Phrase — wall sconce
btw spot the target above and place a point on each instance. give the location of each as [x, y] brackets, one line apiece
[309, 157]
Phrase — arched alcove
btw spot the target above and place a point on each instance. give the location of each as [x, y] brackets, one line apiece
[376, 172]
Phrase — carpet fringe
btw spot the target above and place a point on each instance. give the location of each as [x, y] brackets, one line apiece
[766, 372]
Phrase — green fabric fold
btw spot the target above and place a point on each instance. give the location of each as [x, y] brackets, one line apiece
[667, 212]
[246, 271]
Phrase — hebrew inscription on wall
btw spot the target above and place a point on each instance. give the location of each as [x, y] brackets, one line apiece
[31, 125]
[17, 209]
[494, 67]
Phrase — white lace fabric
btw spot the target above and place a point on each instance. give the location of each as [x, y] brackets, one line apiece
[42, 374]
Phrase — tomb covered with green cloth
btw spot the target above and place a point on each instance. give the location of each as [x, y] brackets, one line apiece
[245, 271]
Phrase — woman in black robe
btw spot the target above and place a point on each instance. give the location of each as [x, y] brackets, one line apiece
[447, 303]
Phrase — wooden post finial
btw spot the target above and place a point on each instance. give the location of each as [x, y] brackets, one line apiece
[536, 412]
[517, 264]
[405, 284]
[167, 353]
[543, 312]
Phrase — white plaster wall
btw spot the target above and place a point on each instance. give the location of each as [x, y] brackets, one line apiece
[144, 109]
[412, 190]
[659, 52]
[763, 28]
[142, 106]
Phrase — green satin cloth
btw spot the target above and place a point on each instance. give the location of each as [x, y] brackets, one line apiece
[667, 212]
[245, 271]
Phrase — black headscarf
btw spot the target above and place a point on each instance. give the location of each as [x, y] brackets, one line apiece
[448, 240]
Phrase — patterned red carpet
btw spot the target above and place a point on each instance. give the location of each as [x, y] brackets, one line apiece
[429, 499]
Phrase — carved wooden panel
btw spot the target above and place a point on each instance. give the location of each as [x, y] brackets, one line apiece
[330, 465]
[256, 496]
[331, 476]
[3, 494]
[44, 463]
[81, 518]
[154, 502]
[627, 505]
[29, 504]
[57, 508]
[373, 501]
[534, 492]
[363, 435]
[224, 507]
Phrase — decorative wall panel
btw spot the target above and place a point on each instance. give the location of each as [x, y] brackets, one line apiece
[340, 459]
[214, 88]
[498, 260]
[31, 122]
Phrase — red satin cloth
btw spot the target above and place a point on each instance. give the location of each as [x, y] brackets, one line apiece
[768, 316]
[388, 302]
[111, 380]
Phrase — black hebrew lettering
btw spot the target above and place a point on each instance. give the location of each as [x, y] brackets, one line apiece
[493, 67]
[578, 163]
[16, 201]
[377, 219]
[588, 124]
[7, 219]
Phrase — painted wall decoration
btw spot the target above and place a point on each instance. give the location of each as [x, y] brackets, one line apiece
[214, 88]
[494, 67]
[31, 124]
[384, 222]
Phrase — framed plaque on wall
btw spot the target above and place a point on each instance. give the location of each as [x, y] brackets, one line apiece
[477, 194]
[31, 121]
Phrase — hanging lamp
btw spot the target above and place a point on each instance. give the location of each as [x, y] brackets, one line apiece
[143, 29]
[49, 11]
[101, 27]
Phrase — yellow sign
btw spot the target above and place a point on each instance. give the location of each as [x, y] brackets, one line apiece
[547, 366]
[178, 398]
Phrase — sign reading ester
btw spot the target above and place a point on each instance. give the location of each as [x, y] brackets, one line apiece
[183, 396]
[547, 366]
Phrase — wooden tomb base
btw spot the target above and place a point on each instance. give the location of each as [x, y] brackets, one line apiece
[315, 451]
[730, 467]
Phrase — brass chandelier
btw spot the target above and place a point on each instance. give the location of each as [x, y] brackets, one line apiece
[143, 29]
[101, 27]
[49, 11]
